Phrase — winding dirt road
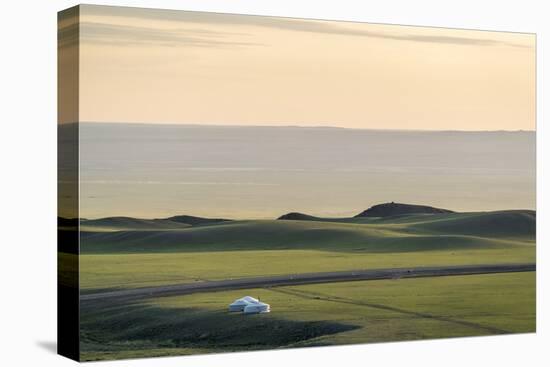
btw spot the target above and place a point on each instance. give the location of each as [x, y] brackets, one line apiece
[306, 278]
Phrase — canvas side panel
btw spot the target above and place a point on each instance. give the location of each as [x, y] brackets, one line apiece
[68, 186]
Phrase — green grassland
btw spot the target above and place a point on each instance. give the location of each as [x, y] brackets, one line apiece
[401, 234]
[119, 253]
[155, 253]
[113, 271]
[313, 315]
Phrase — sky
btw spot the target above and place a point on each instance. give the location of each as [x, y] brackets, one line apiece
[162, 66]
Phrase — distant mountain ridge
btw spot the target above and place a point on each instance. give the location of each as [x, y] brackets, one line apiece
[129, 223]
[391, 209]
[381, 228]
[386, 210]
[192, 220]
[297, 216]
[378, 211]
[507, 229]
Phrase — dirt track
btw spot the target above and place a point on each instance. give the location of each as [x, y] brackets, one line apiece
[307, 278]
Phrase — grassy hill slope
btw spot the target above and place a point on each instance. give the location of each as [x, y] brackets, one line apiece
[402, 234]
[111, 224]
[391, 209]
[512, 223]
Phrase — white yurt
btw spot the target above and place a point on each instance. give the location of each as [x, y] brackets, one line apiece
[259, 307]
[239, 304]
[250, 299]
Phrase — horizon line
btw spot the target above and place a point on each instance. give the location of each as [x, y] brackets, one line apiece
[214, 125]
[229, 218]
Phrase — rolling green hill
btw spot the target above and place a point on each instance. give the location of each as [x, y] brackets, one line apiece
[128, 224]
[391, 209]
[381, 211]
[125, 253]
[512, 223]
[110, 224]
[298, 216]
[401, 234]
[194, 221]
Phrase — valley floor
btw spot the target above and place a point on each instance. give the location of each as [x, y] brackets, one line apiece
[126, 253]
[314, 315]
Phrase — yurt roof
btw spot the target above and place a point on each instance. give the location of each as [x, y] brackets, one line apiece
[245, 301]
[250, 299]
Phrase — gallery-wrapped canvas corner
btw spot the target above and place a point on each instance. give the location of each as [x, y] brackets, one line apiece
[239, 183]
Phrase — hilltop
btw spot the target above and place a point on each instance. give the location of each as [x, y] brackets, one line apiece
[129, 223]
[193, 220]
[297, 216]
[392, 209]
[376, 211]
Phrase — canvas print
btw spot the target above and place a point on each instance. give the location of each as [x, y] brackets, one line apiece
[239, 183]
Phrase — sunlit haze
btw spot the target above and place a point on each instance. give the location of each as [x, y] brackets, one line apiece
[162, 66]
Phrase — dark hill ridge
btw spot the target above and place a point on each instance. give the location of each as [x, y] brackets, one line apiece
[297, 216]
[377, 211]
[192, 220]
[510, 223]
[475, 230]
[128, 223]
[391, 209]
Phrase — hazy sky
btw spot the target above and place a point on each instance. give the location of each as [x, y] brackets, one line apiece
[159, 66]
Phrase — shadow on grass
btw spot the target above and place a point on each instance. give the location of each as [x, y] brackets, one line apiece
[129, 327]
[171, 242]
[436, 232]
